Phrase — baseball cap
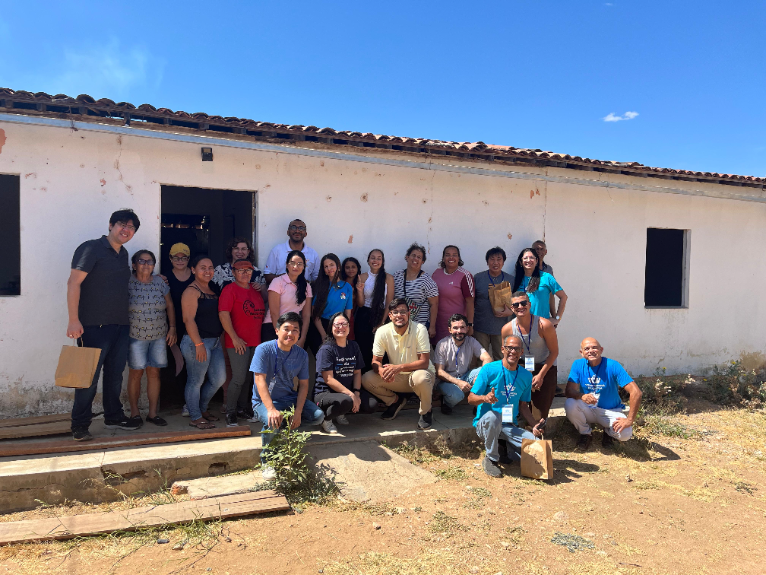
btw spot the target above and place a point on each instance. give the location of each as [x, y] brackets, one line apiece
[180, 248]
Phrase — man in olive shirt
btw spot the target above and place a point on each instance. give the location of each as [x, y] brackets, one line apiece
[409, 369]
[97, 302]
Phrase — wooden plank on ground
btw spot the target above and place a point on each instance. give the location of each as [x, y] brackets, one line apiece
[19, 421]
[38, 430]
[142, 517]
[136, 438]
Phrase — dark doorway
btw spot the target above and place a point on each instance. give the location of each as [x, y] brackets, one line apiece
[205, 220]
[10, 235]
[665, 268]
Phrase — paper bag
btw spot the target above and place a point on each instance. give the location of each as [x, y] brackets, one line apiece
[77, 366]
[500, 296]
[537, 458]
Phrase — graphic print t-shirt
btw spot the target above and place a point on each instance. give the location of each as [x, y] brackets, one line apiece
[247, 310]
[342, 361]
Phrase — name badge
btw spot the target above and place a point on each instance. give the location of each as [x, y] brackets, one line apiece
[507, 414]
[529, 363]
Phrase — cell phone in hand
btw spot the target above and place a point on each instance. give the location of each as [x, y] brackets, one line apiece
[542, 425]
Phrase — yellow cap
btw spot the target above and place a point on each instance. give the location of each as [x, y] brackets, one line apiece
[180, 248]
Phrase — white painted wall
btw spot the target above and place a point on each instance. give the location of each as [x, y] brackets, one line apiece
[71, 181]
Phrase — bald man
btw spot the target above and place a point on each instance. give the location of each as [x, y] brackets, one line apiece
[277, 260]
[593, 397]
[502, 392]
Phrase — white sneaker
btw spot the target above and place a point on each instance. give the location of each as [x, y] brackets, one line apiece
[329, 427]
[185, 411]
[341, 419]
[268, 472]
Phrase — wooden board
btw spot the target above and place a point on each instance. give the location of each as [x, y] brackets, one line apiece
[136, 438]
[53, 428]
[19, 421]
[141, 517]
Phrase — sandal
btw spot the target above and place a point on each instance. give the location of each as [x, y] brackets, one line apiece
[209, 416]
[202, 424]
[156, 420]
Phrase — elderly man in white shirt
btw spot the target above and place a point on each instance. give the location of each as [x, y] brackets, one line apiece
[275, 263]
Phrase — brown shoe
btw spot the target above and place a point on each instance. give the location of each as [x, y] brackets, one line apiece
[584, 442]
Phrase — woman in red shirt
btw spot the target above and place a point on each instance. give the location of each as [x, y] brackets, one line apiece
[241, 310]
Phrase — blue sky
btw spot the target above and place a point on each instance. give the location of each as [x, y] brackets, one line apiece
[687, 80]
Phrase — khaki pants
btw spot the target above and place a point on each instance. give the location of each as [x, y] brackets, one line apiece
[488, 341]
[420, 382]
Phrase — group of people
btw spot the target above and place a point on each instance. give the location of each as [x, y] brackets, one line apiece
[377, 338]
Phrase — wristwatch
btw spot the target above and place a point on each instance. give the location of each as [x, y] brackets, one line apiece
[558, 317]
[470, 325]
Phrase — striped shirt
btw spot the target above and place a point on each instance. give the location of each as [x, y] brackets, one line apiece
[416, 292]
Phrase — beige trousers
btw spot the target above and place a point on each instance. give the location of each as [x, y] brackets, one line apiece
[420, 382]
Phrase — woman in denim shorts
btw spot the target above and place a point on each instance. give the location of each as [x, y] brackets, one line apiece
[150, 308]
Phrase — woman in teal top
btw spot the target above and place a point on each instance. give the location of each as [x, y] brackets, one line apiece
[331, 295]
[540, 287]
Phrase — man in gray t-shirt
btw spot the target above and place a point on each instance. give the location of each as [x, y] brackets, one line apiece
[453, 357]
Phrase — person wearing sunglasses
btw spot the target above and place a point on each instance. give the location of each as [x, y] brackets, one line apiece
[97, 300]
[338, 389]
[541, 348]
[151, 306]
[275, 263]
[502, 391]
[409, 369]
[593, 396]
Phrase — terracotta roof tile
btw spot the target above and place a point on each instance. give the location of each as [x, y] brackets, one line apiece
[24, 102]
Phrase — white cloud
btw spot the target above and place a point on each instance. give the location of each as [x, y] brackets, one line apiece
[626, 116]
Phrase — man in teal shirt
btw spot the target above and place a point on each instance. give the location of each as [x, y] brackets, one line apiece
[502, 391]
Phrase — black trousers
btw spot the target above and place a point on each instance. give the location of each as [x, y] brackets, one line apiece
[335, 404]
[313, 337]
[364, 336]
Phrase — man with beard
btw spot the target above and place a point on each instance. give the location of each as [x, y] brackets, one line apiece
[277, 260]
[409, 368]
[453, 358]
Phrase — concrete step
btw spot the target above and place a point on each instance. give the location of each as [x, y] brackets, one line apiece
[99, 476]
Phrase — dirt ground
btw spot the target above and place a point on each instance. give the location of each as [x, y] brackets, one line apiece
[688, 495]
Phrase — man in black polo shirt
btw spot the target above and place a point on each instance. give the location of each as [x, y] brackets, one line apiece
[97, 301]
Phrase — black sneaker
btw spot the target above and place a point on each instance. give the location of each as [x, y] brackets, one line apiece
[245, 413]
[584, 442]
[231, 420]
[425, 421]
[81, 435]
[128, 423]
[393, 410]
[607, 441]
[446, 409]
[490, 468]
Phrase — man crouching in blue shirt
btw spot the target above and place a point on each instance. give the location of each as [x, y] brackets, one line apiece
[502, 390]
[275, 364]
[593, 397]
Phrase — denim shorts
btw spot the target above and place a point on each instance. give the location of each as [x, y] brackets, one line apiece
[147, 353]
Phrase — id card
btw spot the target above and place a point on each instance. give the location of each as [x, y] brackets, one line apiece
[529, 363]
[507, 414]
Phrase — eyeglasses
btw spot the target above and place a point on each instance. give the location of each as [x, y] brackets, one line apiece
[340, 325]
[145, 262]
[399, 312]
[520, 304]
[179, 259]
[512, 348]
[243, 271]
[297, 228]
[296, 264]
[127, 226]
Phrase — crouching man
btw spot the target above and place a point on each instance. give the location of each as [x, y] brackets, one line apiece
[593, 397]
[502, 391]
[275, 364]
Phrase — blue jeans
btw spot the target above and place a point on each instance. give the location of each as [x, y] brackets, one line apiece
[451, 393]
[491, 427]
[147, 353]
[311, 414]
[199, 390]
[112, 340]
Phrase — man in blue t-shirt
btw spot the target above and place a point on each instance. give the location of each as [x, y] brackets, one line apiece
[593, 396]
[275, 364]
[502, 391]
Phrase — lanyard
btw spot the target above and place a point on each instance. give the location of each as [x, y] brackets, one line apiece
[457, 354]
[513, 385]
[528, 347]
[276, 358]
[595, 373]
[492, 280]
